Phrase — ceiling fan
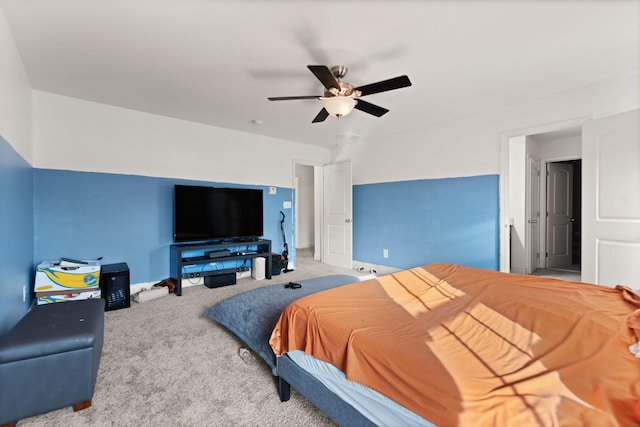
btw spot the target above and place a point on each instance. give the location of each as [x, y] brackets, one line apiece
[340, 98]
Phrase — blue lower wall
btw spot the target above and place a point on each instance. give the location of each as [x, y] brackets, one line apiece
[16, 235]
[47, 214]
[122, 218]
[453, 220]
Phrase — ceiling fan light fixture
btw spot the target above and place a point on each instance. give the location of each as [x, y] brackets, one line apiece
[339, 106]
[340, 98]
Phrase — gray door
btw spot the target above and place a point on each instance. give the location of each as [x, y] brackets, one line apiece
[559, 214]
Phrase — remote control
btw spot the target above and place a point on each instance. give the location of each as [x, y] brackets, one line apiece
[293, 285]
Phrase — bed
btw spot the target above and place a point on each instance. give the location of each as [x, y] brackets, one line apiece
[451, 345]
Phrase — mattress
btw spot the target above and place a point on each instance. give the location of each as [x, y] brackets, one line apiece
[464, 346]
[379, 409]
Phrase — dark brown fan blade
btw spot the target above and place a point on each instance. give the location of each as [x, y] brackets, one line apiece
[370, 108]
[289, 98]
[385, 85]
[322, 115]
[324, 75]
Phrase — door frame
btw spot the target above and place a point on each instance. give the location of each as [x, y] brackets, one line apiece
[318, 198]
[505, 217]
[533, 200]
[318, 194]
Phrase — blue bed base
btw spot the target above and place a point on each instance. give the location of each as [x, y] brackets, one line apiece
[291, 375]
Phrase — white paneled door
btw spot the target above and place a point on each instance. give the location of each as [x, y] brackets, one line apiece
[337, 215]
[611, 200]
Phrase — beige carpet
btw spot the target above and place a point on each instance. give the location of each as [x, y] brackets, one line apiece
[164, 364]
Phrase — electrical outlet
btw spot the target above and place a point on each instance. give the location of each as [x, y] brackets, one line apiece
[385, 253]
[24, 293]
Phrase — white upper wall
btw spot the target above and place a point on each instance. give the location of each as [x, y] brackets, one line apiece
[568, 148]
[74, 134]
[15, 95]
[472, 146]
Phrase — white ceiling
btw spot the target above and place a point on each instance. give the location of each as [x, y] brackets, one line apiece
[217, 61]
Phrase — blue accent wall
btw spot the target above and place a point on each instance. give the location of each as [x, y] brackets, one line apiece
[452, 220]
[16, 235]
[47, 214]
[122, 218]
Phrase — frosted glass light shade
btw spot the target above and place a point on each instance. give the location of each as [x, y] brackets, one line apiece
[339, 106]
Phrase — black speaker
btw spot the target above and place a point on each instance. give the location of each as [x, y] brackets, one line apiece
[218, 280]
[114, 285]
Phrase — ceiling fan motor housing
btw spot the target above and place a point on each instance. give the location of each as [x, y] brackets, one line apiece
[339, 71]
[346, 89]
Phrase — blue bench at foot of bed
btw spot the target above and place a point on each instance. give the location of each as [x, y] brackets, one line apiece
[49, 359]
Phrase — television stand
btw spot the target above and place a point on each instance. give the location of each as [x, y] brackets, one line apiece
[183, 255]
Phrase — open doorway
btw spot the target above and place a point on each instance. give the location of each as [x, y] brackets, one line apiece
[305, 209]
[323, 211]
[545, 203]
[609, 245]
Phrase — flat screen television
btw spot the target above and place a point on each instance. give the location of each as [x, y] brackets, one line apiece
[211, 213]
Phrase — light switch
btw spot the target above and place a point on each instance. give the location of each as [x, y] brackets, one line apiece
[272, 190]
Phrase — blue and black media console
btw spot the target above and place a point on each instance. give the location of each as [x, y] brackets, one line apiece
[216, 262]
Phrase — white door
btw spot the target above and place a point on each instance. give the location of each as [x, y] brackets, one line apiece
[533, 232]
[611, 200]
[337, 214]
[559, 214]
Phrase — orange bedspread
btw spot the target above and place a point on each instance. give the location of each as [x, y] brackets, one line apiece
[470, 347]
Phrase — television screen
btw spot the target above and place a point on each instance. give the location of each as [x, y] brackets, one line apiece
[210, 213]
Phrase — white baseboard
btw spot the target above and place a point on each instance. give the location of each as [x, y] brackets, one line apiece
[150, 294]
[243, 274]
[139, 287]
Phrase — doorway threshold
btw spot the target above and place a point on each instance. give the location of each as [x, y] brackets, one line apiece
[564, 273]
[574, 268]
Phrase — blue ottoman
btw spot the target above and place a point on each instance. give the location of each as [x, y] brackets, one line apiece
[49, 359]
